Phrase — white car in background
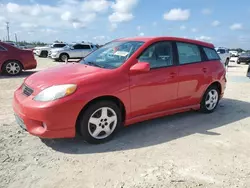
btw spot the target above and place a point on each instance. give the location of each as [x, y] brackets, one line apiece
[234, 53]
[73, 51]
[44, 51]
[224, 54]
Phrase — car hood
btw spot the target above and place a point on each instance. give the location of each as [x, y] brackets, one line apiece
[62, 74]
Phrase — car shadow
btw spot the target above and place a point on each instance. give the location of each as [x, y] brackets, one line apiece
[160, 130]
[22, 75]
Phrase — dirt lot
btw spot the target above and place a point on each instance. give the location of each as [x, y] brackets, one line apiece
[184, 150]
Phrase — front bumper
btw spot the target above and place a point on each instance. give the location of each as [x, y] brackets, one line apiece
[46, 119]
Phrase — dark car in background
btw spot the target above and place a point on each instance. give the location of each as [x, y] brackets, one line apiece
[14, 60]
[244, 58]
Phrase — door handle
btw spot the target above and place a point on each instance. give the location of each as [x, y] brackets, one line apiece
[172, 74]
[204, 70]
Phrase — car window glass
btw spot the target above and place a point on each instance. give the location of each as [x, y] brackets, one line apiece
[158, 55]
[188, 53]
[211, 54]
[59, 45]
[2, 48]
[221, 51]
[77, 46]
[85, 47]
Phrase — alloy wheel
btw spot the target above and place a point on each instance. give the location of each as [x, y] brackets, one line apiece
[211, 99]
[13, 68]
[102, 123]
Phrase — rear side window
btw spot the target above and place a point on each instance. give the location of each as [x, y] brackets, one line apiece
[2, 48]
[211, 54]
[221, 51]
[188, 53]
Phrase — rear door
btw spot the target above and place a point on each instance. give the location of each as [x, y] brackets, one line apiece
[192, 73]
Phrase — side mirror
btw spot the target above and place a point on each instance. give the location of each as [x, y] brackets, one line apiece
[140, 67]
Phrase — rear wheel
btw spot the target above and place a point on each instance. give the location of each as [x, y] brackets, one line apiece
[210, 100]
[100, 122]
[12, 68]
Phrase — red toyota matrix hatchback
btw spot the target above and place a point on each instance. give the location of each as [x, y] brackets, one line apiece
[126, 81]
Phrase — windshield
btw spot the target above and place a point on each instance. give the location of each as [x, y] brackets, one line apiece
[112, 55]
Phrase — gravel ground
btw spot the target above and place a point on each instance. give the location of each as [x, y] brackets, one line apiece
[185, 150]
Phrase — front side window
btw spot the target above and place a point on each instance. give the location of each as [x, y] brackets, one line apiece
[158, 55]
[211, 54]
[85, 47]
[188, 53]
[59, 45]
[77, 46]
[112, 55]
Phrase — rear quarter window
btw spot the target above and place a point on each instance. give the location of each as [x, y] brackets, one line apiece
[211, 54]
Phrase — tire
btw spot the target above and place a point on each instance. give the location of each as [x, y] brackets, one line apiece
[238, 62]
[209, 107]
[63, 57]
[9, 66]
[101, 128]
[44, 54]
[227, 62]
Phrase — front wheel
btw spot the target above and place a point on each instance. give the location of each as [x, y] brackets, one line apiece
[210, 100]
[64, 57]
[100, 122]
[44, 54]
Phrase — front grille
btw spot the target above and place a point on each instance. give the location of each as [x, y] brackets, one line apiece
[27, 90]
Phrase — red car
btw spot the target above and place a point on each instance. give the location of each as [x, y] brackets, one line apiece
[126, 81]
[14, 60]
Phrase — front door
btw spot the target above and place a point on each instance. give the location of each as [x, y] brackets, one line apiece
[86, 49]
[155, 90]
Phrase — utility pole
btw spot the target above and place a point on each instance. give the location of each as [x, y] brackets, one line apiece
[16, 38]
[8, 31]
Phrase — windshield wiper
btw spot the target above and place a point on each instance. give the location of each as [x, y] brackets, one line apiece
[94, 64]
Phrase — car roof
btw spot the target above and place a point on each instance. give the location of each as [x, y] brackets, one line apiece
[155, 39]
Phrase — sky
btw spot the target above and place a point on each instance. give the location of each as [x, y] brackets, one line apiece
[221, 22]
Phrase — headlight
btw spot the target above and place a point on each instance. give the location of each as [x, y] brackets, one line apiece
[55, 92]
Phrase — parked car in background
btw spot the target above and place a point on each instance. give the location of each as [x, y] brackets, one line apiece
[13, 60]
[74, 51]
[244, 58]
[44, 51]
[234, 53]
[144, 78]
[224, 54]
